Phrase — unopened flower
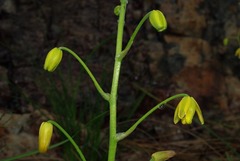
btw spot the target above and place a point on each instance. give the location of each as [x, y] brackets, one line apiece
[158, 20]
[225, 41]
[186, 109]
[117, 10]
[237, 53]
[162, 155]
[53, 59]
[45, 135]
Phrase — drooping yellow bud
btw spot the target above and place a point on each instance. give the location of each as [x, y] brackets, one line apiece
[53, 59]
[237, 53]
[158, 20]
[45, 135]
[186, 109]
[225, 41]
[162, 155]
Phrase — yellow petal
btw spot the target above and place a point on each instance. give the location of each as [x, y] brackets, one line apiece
[184, 121]
[199, 112]
[176, 118]
[183, 106]
[190, 114]
[237, 53]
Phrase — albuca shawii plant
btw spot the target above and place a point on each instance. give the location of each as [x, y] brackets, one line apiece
[184, 112]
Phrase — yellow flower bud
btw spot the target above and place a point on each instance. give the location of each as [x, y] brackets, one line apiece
[237, 53]
[158, 20]
[53, 59]
[225, 41]
[162, 155]
[186, 109]
[45, 135]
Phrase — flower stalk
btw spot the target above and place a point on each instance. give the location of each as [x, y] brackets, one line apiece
[95, 82]
[69, 138]
[123, 135]
[114, 88]
[131, 40]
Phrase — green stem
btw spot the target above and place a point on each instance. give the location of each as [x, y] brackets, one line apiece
[130, 42]
[123, 135]
[98, 87]
[114, 88]
[69, 138]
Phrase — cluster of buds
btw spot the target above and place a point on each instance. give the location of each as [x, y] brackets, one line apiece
[185, 110]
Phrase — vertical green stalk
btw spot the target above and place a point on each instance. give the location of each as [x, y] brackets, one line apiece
[114, 89]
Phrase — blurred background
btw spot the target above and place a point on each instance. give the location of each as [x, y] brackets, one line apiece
[189, 57]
